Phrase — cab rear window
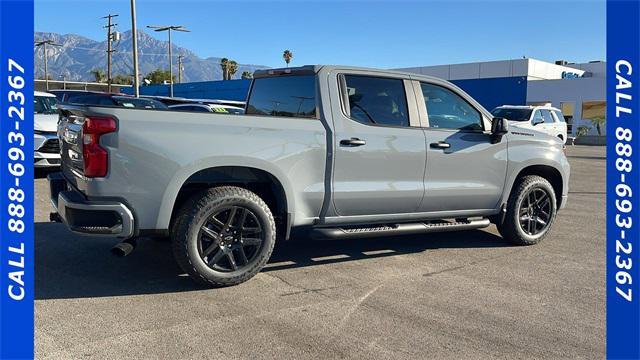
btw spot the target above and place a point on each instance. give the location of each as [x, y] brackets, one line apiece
[286, 96]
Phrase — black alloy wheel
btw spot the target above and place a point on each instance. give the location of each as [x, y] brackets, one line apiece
[230, 239]
[535, 211]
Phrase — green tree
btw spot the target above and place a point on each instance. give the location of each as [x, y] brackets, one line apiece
[598, 122]
[287, 55]
[232, 69]
[99, 75]
[122, 80]
[247, 75]
[583, 131]
[224, 64]
[159, 76]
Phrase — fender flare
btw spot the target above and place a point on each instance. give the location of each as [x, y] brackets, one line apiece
[183, 174]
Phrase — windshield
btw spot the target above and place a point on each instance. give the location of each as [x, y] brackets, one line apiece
[139, 103]
[512, 114]
[45, 105]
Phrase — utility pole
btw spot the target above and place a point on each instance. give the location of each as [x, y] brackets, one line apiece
[134, 38]
[44, 44]
[110, 36]
[180, 57]
[169, 28]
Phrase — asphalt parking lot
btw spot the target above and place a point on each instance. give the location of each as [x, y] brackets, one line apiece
[450, 295]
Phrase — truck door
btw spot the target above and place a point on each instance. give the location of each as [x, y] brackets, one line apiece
[380, 149]
[550, 125]
[465, 169]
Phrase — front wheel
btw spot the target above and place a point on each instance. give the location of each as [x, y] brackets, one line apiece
[223, 236]
[531, 210]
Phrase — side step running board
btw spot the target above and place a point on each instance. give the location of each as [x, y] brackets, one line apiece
[353, 232]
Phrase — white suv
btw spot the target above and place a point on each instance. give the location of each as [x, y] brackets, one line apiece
[546, 119]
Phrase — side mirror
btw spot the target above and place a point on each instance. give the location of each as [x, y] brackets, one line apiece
[499, 126]
[537, 121]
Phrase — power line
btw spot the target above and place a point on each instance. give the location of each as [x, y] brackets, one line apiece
[44, 44]
[110, 38]
[180, 68]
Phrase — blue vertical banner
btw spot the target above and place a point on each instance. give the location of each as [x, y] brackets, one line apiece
[623, 182]
[16, 179]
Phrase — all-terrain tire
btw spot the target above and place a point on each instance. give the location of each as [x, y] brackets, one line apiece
[192, 216]
[511, 229]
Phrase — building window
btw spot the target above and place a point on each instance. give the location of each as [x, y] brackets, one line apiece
[596, 113]
[567, 109]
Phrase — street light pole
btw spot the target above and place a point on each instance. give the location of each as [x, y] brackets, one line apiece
[136, 75]
[169, 28]
[170, 67]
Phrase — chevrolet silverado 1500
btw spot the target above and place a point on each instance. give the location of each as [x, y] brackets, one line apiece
[326, 151]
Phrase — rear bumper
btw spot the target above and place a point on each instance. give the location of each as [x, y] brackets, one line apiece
[107, 218]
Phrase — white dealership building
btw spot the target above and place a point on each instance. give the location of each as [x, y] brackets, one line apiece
[578, 89]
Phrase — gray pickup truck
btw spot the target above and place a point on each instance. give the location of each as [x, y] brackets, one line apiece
[323, 151]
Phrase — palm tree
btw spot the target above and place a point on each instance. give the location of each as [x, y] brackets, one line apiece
[287, 55]
[232, 69]
[224, 64]
[246, 75]
[598, 122]
[99, 75]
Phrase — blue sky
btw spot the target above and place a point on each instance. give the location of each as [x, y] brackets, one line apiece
[384, 34]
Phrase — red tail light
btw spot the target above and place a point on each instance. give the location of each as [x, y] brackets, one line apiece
[96, 158]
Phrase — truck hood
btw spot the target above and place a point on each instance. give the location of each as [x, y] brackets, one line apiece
[45, 122]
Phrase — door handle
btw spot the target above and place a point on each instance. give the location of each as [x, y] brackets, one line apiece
[440, 145]
[352, 142]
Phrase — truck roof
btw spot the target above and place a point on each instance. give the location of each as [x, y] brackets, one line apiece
[314, 69]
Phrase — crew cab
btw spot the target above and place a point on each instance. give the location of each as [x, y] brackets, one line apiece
[322, 151]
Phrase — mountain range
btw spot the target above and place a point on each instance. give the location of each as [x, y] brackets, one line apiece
[78, 56]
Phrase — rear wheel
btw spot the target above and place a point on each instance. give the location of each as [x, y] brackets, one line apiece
[223, 236]
[531, 210]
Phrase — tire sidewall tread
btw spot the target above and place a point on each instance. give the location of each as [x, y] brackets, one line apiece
[511, 229]
[187, 227]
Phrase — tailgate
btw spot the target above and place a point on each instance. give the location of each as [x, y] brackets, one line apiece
[70, 135]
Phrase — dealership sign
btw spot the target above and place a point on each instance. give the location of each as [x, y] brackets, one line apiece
[570, 75]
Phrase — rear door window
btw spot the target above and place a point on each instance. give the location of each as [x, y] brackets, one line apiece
[286, 96]
[377, 101]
